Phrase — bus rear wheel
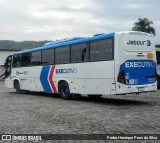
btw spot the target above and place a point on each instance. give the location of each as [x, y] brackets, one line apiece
[64, 90]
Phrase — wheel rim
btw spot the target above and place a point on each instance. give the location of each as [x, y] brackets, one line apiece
[64, 91]
[18, 88]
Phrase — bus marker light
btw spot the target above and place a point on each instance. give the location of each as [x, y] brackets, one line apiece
[149, 55]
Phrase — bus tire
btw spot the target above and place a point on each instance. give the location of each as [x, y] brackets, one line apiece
[17, 87]
[64, 90]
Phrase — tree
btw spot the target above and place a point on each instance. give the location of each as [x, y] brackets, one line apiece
[144, 25]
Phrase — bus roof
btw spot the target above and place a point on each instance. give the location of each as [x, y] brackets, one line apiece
[76, 40]
[65, 42]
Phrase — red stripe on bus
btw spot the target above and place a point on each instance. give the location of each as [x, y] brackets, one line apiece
[51, 79]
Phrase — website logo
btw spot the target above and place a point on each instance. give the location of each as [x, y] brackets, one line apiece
[6, 137]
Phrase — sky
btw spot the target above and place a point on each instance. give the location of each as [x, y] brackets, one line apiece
[36, 20]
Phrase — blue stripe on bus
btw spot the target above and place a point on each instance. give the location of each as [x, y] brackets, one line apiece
[44, 79]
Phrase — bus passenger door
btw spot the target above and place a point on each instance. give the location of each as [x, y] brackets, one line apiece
[8, 67]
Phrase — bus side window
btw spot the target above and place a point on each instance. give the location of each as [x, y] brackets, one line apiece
[109, 49]
[79, 53]
[16, 60]
[62, 55]
[101, 50]
[36, 58]
[25, 60]
[48, 56]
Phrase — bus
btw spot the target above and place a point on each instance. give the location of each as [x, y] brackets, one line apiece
[158, 65]
[109, 63]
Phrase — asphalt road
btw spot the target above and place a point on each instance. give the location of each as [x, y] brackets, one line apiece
[40, 113]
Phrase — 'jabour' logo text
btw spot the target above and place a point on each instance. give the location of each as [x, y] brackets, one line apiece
[134, 42]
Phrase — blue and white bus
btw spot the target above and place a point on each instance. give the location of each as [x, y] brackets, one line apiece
[113, 63]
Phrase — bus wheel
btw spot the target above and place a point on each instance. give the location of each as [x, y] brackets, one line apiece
[64, 90]
[17, 87]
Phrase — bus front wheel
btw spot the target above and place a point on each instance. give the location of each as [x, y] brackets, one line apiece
[17, 87]
[64, 90]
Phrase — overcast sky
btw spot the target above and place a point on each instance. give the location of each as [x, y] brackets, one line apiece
[56, 19]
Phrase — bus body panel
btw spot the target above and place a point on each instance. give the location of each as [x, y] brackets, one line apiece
[132, 57]
[28, 78]
[9, 83]
[81, 77]
[85, 78]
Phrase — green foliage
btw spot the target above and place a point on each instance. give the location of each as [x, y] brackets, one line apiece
[144, 25]
[8, 45]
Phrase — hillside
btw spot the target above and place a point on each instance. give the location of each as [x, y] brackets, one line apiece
[13, 45]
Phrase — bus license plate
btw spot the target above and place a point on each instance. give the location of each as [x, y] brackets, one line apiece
[141, 89]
